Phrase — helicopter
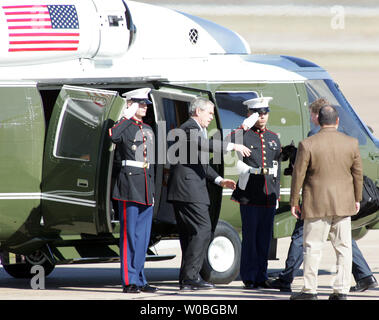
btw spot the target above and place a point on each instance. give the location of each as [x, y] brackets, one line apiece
[64, 67]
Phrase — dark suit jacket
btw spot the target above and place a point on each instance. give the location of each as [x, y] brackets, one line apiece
[188, 180]
[261, 190]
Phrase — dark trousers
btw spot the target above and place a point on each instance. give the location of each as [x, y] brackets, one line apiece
[194, 227]
[257, 224]
[295, 257]
[135, 228]
[295, 253]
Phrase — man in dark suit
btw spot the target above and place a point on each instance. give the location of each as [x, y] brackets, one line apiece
[187, 190]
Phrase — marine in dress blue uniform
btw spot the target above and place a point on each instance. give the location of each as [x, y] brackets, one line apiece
[134, 190]
[258, 195]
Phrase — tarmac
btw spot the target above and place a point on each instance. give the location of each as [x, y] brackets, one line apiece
[102, 281]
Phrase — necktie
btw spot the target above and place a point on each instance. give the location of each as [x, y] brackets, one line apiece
[204, 130]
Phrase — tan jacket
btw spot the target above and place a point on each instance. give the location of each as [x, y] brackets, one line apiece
[328, 168]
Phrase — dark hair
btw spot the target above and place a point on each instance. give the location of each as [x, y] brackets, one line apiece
[327, 115]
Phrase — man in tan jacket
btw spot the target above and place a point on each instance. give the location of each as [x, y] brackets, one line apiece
[328, 168]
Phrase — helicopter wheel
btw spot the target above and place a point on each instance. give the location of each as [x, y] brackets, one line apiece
[23, 270]
[222, 262]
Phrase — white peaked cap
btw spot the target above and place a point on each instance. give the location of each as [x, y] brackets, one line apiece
[257, 103]
[138, 94]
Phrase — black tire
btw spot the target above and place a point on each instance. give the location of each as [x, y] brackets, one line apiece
[222, 261]
[23, 270]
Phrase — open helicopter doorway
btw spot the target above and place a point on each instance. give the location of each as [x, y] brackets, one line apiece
[169, 110]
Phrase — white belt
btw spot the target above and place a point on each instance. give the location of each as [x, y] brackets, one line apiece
[263, 171]
[245, 171]
[137, 164]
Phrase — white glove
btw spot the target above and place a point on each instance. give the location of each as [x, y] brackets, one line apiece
[131, 111]
[250, 121]
[244, 172]
[242, 167]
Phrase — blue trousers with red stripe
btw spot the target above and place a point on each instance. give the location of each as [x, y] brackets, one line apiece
[135, 228]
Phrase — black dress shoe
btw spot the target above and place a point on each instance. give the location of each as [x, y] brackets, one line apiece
[205, 284]
[303, 296]
[249, 285]
[280, 284]
[186, 287]
[131, 288]
[262, 285]
[148, 288]
[364, 284]
[338, 296]
[195, 285]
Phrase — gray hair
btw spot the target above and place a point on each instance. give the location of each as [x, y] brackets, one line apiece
[199, 102]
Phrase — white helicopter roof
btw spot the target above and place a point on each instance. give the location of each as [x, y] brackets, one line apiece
[59, 40]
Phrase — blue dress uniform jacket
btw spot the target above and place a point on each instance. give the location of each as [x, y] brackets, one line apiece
[134, 188]
[134, 141]
[262, 189]
[257, 204]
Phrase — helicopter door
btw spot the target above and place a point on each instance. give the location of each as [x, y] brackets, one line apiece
[74, 183]
[171, 106]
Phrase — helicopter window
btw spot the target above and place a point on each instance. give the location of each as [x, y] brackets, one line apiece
[175, 112]
[77, 126]
[349, 121]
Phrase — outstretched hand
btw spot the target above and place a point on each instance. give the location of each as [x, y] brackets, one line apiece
[244, 151]
[228, 183]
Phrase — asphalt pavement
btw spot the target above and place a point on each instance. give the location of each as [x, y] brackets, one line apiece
[102, 281]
